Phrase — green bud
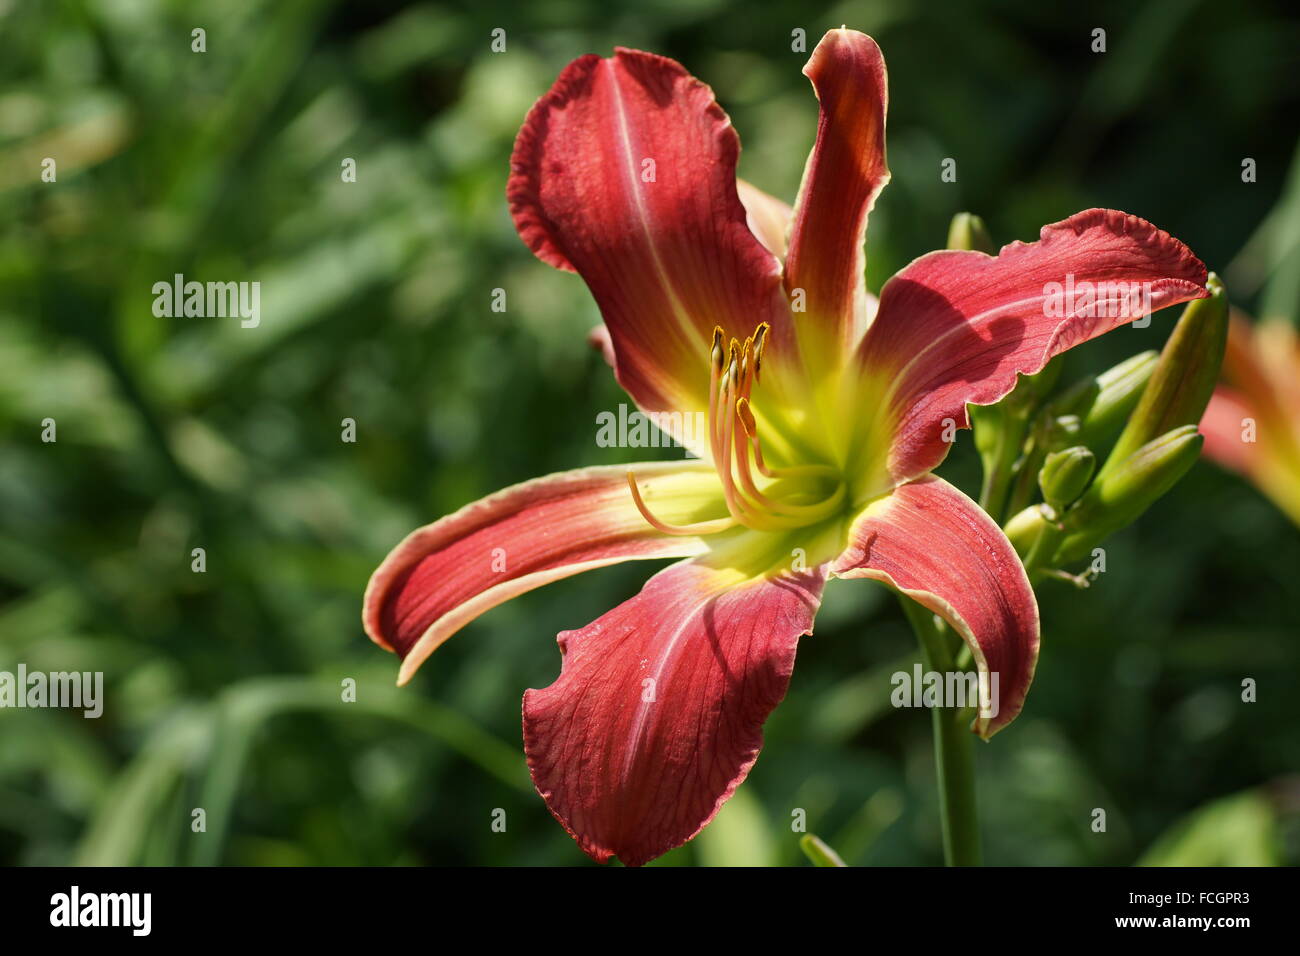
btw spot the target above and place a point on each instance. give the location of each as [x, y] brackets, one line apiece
[1062, 432]
[1119, 391]
[1184, 377]
[819, 852]
[1100, 403]
[1077, 400]
[1065, 476]
[1024, 528]
[1115, 500]
[967, 231]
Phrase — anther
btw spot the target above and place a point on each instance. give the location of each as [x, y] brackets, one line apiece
[760, 340]
[746, 416]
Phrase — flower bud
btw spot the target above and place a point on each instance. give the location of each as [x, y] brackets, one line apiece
[967, 231]
[1077, 400]
[1065, 476]
[1183, 379]
[1099, 403]
[819, 852]
[1115, 500]
[1120, 390]
[1024, 527]
[1062, 432]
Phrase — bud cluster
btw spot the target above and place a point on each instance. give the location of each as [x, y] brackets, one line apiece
[1074, 466]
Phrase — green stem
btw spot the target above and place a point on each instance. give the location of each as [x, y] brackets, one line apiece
[1022, 492]
[954, 750]
[997, 479]
[1043, 551]
[994, 486]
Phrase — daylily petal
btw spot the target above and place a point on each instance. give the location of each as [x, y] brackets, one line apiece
[956, 326]
[1262, 363]
[932, 543]
[845, 172]
[625, 172]
[1269, 457]
[657, 714]
[1223, 426]
[598, 339]
[768, 217]
[1251, 424]
[448, 573]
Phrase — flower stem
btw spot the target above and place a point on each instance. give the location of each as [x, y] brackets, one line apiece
[1000, 473]
[1043, 550]
[1026, 481]
[954, 752]
[997, 478]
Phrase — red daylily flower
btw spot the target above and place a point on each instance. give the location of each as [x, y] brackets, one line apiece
[1252, 425]
[824, 424]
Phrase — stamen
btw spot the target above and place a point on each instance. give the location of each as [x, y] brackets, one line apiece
[715, 353]
[760, 340]
[744, 510]
[746, 416]
[715, 373]
[740, 509]
[723, 458]
[732, 374]
[780, 509]
[742, 459]
[698, 528]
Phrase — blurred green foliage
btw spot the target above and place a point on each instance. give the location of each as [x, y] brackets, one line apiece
[223, 688]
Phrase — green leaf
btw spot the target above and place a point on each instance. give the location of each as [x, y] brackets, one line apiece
[1240, 830]
[817, 851]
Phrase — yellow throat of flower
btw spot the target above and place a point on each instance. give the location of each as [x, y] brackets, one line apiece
[757, 496]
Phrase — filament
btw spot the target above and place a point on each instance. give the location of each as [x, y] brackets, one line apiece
[734, 368]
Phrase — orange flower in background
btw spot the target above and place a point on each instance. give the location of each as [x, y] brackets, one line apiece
[1252, 425]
